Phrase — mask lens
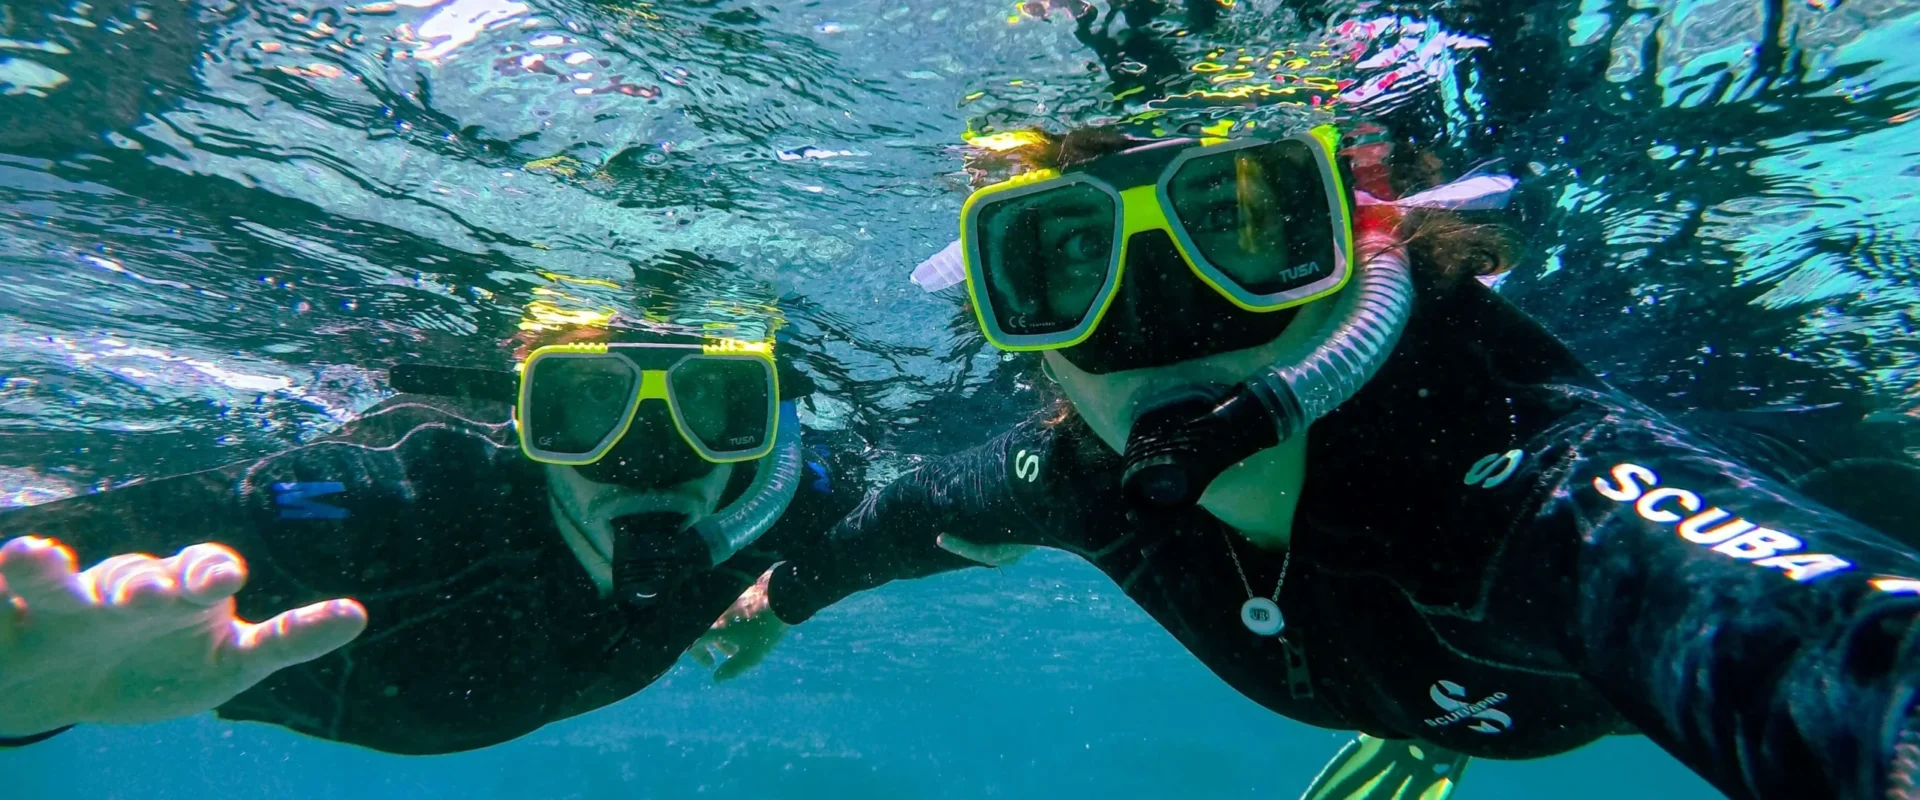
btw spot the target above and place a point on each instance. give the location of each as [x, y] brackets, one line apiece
[1045, 257]
[576, 403]
[1259, 215]
[726, 404]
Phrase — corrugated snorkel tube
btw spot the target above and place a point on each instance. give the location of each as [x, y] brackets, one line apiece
[774, 483]
[1175, 451]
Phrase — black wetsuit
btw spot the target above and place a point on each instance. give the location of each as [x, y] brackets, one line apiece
[482, 624]
[1487, 554]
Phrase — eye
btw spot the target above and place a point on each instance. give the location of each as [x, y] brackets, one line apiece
[1082, 246]
[1221, 216]
[700, 392]
[605, 390]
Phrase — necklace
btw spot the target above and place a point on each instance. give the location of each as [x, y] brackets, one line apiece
[1259, 614]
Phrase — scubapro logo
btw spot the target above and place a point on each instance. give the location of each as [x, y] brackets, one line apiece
[1026, 466]
[1494, 469]
[1452, 698]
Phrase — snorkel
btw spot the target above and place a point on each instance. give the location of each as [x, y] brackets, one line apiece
[648, 562]
[1175, 450]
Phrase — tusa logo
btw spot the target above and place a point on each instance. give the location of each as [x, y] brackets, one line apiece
[1713, 526]
[1295, 273]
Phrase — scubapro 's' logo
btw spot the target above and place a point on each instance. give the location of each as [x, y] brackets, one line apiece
[1452, 698]
[1026, 466]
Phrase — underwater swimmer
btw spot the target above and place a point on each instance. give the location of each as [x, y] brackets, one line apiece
[1371, 495]
[507, 576]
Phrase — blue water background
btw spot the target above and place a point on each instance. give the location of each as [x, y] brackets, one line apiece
[230, 218]
[1038, 682]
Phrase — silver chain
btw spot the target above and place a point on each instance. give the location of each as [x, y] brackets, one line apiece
[1284, 563]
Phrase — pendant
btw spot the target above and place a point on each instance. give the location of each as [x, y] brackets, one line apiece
[1262, 616]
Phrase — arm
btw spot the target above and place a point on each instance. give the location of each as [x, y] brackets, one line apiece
[894, 533]
[155, 516]
[1766, 641]
[384, 474]
[81, 646]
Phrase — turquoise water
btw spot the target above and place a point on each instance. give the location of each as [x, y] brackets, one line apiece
[1039, 682]
[220, 222]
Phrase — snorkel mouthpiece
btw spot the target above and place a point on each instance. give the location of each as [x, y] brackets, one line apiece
[651, 554]
[1176, 450]
[654, 553]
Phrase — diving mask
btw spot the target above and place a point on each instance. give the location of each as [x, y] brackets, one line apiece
[577, 402]
[1251, 225]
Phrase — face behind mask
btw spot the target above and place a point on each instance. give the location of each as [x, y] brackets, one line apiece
[650, 456]
[1163, 315]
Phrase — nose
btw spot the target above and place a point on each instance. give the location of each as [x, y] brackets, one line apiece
[651, 455]
[1163, 314]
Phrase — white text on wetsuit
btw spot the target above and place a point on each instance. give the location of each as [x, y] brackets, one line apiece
[1713, 526]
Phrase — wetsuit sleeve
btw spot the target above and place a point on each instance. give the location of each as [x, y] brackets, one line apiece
[326, 495]
[1766, 641]
[892, 534]
[157, 517]
[34, 739]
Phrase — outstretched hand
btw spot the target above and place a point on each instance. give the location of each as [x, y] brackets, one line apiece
[743, 636]
[138, 638]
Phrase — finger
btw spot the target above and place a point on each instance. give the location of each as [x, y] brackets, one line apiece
[40, 572]
[297, 636]
[1006, 555]
[745, 659]
[209, 573]
[992, 555]
[726, 647]
[700, 653]
[132, 581]
[737, 666]
[958, 546]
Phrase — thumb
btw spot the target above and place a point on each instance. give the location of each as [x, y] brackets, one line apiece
[992, 555]
[297, 636]
[701, 652]
[750, 655]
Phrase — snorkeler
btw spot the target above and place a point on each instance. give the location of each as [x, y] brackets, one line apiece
[1372, 496]
[519, 549]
